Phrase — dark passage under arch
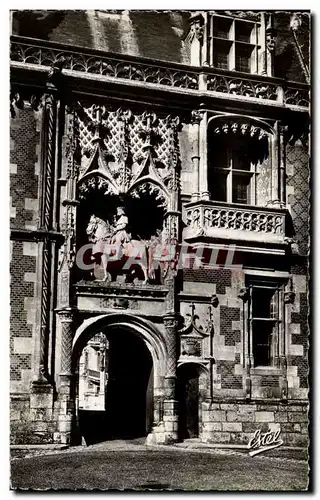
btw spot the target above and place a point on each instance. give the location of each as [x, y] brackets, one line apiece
[128, 412]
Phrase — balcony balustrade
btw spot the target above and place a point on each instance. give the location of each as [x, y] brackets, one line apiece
[211, 220]
[214, 81]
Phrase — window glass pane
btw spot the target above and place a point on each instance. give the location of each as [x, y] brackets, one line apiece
[263, 303]
[243, 31]
[262, 337]
[240, 188]
[221, 57]
[218, 186]
[243, 59]
[221, 27]
[240, 161]
[220, 158]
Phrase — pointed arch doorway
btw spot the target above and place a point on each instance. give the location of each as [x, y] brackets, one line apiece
[115, 392]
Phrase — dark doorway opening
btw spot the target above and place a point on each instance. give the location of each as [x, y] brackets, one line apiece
[128, 408]
[188, 398]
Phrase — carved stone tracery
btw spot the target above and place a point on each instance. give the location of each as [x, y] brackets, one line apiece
[241, 129]
[125, 149]
[193, 332]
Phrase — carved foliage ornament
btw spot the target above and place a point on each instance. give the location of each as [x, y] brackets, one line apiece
[242, 129]
[193, 333]
[68, 250]
[35, 101]
[192, 324]
[196, 116]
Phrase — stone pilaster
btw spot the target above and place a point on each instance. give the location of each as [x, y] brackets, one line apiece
[70, 168]
[282, 163]
[196, 117]
[247, 343]
[203, 150]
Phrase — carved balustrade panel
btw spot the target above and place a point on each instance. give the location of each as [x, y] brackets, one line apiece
[296, 97]
[243, 87]
[103, 65]
[244, 223]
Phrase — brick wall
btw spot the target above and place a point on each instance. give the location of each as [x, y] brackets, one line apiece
[298, 191]
[24, 170]
[229, 373]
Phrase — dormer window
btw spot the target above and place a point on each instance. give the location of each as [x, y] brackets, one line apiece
[234, 44]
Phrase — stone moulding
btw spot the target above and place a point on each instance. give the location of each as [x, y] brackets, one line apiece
[158, 73]
[105, 289]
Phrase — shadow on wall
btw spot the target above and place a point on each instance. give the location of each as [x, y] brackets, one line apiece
[286, 62]
[36, 23]
[157, 35]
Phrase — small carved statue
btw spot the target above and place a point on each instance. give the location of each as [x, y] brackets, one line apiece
[120, 235]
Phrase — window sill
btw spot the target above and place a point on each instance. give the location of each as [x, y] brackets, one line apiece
[265, 370]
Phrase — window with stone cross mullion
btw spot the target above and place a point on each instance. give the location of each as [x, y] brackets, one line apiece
[265, 323]
[234, 44]
[232, 184]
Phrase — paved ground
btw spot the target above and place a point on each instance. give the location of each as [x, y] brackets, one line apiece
[123, 465]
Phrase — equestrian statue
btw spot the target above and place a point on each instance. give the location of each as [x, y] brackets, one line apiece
[115, 252]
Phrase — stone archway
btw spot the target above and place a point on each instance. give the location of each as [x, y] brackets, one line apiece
[136, 364]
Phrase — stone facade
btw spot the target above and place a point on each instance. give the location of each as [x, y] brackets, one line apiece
[116, 151]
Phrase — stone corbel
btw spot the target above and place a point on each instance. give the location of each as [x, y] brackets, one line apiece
[289, 297]
[196, 37]
[243, 294]
[214, 301]
[16, 103]
[271, 35]
[55, 73]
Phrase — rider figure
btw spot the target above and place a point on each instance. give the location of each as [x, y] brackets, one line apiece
[120, 235]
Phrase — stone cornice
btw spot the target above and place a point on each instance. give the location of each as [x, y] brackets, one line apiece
[99, 72]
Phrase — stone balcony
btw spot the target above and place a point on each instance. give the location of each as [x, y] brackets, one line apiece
[41, 56]
[261, 228]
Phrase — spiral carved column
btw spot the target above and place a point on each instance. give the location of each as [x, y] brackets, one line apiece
[66, 399]
[170, 404]
[48, 106]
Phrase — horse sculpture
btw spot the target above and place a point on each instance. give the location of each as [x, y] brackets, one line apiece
[116, 259]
